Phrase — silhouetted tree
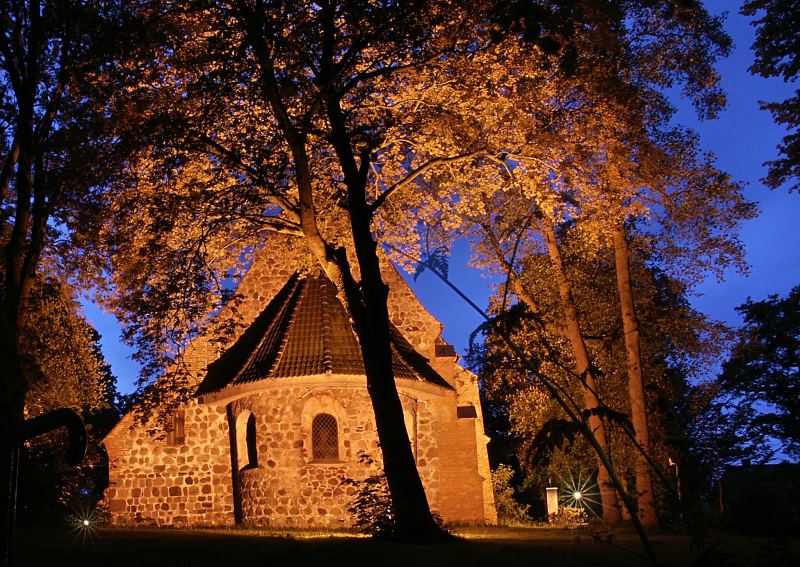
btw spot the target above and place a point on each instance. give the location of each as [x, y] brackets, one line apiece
[762, 375]
[777, 50]
[64, 368]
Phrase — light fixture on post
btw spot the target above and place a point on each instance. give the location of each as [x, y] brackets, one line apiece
[552, 502]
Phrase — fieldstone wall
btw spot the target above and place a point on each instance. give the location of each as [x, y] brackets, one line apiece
[288, 488]
[153, 482]
[418, 326]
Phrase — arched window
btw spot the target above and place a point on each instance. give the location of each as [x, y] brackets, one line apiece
[246, 440]
[325, 438]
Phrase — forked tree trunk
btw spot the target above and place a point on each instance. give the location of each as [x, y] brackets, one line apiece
[366, 301]
[572, 332]
[630, 328]
[368, 305]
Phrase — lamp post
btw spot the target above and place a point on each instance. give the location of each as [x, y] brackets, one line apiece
[552, 502]
[677, 477]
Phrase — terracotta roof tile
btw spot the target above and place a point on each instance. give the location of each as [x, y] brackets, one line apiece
[305, 331]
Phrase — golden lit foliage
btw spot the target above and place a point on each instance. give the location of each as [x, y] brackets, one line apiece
[678, 343]
[63, 362]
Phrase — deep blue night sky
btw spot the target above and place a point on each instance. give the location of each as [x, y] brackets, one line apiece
[743, 138]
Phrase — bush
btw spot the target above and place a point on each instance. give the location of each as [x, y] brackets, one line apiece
[509, 510]
[371, 507]
[569, 517]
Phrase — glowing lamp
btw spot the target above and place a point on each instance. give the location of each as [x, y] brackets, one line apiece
[86, 523]
[577, 495]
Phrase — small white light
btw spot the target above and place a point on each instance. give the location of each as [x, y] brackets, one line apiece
[577, 495]
[86, 522]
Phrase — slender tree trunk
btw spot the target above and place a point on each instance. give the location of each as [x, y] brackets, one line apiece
[630, 327]
[583, 368]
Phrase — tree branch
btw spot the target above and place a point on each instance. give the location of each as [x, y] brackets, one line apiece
[8, 169]
[408, 179]
[224, 153]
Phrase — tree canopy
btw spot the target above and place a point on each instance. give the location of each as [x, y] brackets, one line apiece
[777, 50]
[65, 369]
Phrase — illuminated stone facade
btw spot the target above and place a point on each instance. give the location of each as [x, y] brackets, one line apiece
[270, 436]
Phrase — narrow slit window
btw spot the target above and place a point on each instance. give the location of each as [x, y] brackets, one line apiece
[175, 428]
[252, 453]
[246, 450]
[325, 438]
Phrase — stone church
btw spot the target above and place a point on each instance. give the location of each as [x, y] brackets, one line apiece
[281, 416]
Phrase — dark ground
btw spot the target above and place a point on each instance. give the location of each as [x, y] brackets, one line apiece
[492, 547]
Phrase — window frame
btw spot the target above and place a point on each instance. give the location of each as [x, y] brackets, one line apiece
[176, 428]
[330, 452]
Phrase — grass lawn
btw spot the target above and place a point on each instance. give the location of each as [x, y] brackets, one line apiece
[485, 547]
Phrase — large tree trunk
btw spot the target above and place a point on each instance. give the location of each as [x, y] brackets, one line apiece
[583, 368]
[366, 301]
[15, 288]
[12, 400]
[413, 519]
[630, 327]
[368, 305]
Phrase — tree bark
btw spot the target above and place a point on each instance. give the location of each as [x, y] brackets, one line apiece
[366, 301]
[583, 368]
[16, 283]
[413, 519]
[630, 327]
[12, 403]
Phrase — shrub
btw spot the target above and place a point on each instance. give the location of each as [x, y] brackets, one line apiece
[569, 517]
[509, 510]
[371, 507]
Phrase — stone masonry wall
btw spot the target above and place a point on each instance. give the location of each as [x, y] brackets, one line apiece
[288, 488]
[155, 483]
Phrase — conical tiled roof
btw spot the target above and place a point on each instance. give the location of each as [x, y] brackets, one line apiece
[305, 331]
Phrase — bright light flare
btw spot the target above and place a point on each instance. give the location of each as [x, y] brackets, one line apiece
[84, 523]
[580, 493]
